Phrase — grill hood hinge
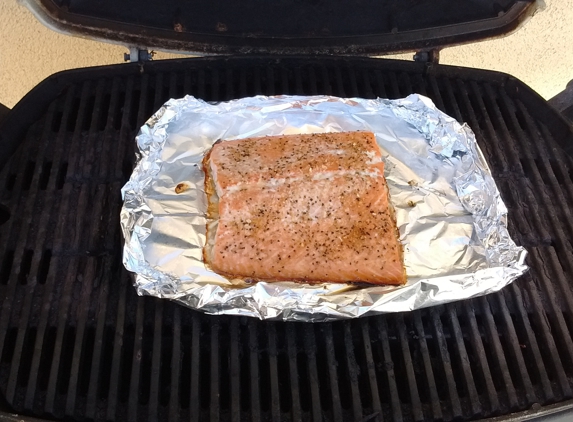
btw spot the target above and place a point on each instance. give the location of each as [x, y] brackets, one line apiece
[137, 54]
[429, 56]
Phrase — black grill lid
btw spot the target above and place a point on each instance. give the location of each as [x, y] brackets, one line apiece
[357, 27]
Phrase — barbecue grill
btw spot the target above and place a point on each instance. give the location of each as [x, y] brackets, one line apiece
[77, 343]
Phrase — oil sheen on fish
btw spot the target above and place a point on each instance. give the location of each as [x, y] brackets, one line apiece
[312, 207]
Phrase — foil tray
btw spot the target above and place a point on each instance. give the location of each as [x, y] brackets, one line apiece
[451, 218]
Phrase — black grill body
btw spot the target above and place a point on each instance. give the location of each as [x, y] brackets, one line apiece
[77, 343]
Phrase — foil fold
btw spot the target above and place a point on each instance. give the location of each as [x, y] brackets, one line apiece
[452, 220]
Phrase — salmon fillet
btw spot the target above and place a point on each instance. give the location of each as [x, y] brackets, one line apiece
[312, 208]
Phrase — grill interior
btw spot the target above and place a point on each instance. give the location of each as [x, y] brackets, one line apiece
[77, 343]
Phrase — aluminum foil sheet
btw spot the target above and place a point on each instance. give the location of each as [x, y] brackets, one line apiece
[451, 218]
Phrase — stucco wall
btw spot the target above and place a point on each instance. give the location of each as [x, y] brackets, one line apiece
[541, 54]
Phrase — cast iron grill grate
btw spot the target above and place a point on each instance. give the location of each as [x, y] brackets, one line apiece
[77, 343]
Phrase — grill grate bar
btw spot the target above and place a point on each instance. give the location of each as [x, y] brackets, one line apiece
[458, 339]
[391, 375]
[563, 162]
[562, 326]
[124, 151]
[78, 350]
[405, 84]
[523, 188]
[201, 84]
[333, 377]
[284, 80]
[522, 220]
[243, 91]
[21, 274]
[85, 205]
[435, 92]
[159, 89]
[512, 154]
[135, 364]
[257, 78]
[293, 372]
[545, 328]
[351, 77]
[69, 200]
[15, 369]
[42, 234]
[552, 263]
[230, 86]
[422, 85]
[254, 372]
[173, 85]
[431, 383]
[394, 91]
[121, 165]
[325, 79]
[215, 83]
[338, 81]
[310, 350]
[451, 99]
[186, 83]
[407, 355]
[143, 100]
[156, 361]
[214, 376]
[495, 344]
[353, 371]
[557, 195]
[532, 344]
[559, 241]
[235, 372]
[483, 369]
[514, 348]
[446, 366]
[415, 83]
[97, 355]
[370, 363]
[380, 85]
[19, 345]
[195, 372]
[274, 373]
[105, 169]
[174, 397]
[117, 349]
[298, 81]
[564, 291]
[366, 84]
[540, 184]
[270, 85]
[312, 82]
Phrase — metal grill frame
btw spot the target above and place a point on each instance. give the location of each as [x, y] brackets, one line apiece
[452, 89]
